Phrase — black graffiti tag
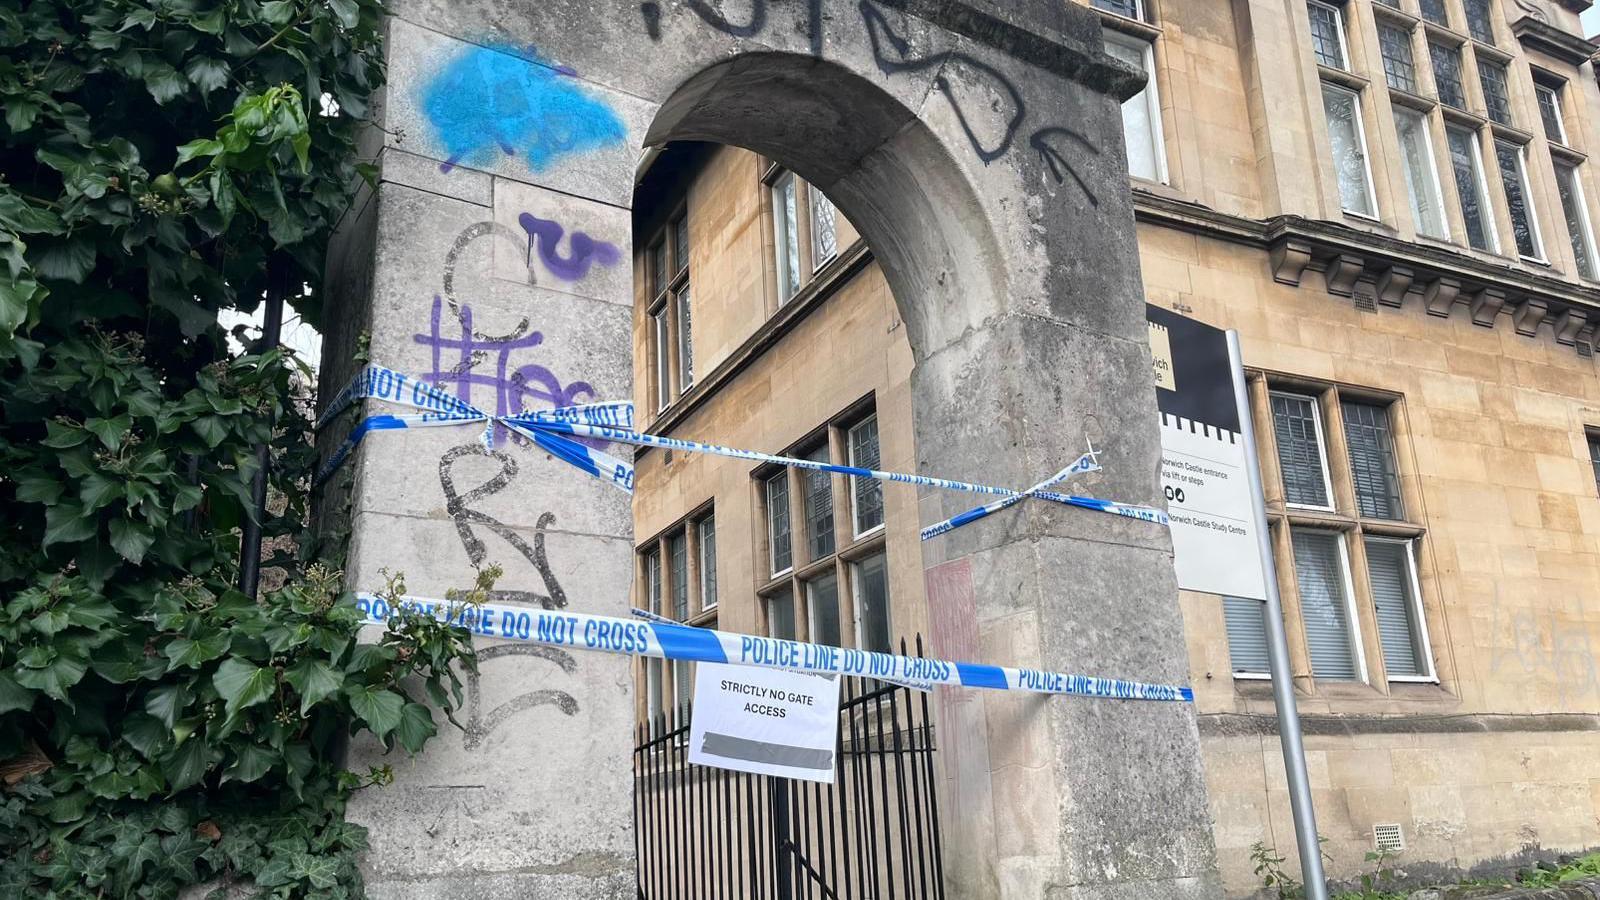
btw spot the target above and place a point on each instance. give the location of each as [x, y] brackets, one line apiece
[480, 724]
[651, 11]
[459, 507]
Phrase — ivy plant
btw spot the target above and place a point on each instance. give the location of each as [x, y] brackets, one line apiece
[163, 162]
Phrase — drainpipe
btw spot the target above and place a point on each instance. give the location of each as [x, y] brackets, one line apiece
[271, 332]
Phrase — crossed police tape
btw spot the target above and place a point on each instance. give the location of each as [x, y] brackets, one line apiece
[662, 640]
[554, 431]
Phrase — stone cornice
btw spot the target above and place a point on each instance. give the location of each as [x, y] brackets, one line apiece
[1375, 268]
[1552, 41]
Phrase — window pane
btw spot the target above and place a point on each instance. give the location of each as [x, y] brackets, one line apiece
[1447, 74]
[663, 369]
[1464, 161]
[1349, 150]
[1325, 37]
[1129, 8]
[1319, 571]
[683, 676]
[653, 687]
[652, 582]
[658, 268]
[1372, 466]
[871, 577]
[678, 565]
[1576, 213]
[1139, 112]
[1389, 571]
[1294, 421]
[1398, 66]
[1550, 114]
[787, 231]
[1433, 11]
[867, 492]
[680, 244]
[778, 522]
[780, 617]
[1478, 20]
[1422, 182]
[708, 562]
[1495, 95]
[824, 229]
[1247, 634]
[1594, 459]
[1518, 203]
[685, 339]
[819, 506]
[822, 595]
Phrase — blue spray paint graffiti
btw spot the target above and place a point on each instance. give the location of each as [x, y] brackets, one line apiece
[502, 98]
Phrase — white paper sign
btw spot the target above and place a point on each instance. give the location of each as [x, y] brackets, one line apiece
[765, 721]
[1214, 545]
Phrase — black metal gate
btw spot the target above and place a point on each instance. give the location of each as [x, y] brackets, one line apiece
[708, 834]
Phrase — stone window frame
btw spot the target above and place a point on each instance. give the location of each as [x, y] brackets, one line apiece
[663, 680]
[1391, 63]
[1569, 175]
[809, 265]
[793, 585]
[1345, 519]
[667, 296]
[1356, 93]
[1340, 29]
[1496, 90]
[1592, 440]
[1524, 178]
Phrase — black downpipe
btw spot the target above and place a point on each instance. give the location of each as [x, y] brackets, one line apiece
[271, 334]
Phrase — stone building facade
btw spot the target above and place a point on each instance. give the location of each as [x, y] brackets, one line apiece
[1393, 203]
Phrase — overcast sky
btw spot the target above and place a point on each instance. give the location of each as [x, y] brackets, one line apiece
[1591, 22]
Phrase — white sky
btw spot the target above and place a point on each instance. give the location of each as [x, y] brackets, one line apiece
[1591, 22]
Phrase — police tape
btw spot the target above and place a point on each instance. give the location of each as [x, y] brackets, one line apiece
[661, 640]
[560, 432]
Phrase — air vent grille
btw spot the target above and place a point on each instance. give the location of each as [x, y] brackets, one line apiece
[1388, 838]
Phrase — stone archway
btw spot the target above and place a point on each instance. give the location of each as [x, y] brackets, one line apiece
[978, 149]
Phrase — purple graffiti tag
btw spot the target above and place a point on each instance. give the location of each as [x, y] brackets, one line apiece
[584, 250]
[516, 389]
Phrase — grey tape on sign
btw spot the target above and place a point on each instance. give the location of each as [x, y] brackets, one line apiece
[730, 747]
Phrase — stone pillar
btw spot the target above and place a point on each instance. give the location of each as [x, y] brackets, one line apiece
[505, 278]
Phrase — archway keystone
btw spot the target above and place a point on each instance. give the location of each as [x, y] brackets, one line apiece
[977, 146]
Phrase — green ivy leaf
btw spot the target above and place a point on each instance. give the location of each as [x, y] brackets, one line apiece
[67, 522]
[185, 764]
[321, 871]
[202, 147]
[58, 436]
[14, 696]
[167, 702]
[188, 654]
[62, 672]
[207, 74]
[110, 431]
[69, 260]
[416, 726]
[131, 539]
[379, 707]
[250, 762]
[242, 684]
[212, 429]
[144, 733]
[314, 680]
[163, 81]
[97, 490]
[20, 115]
[277, 872]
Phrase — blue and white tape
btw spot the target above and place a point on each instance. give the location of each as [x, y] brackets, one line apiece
[661, 640]
[554, 431]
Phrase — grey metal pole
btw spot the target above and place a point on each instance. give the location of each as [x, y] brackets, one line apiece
[1294, 751]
